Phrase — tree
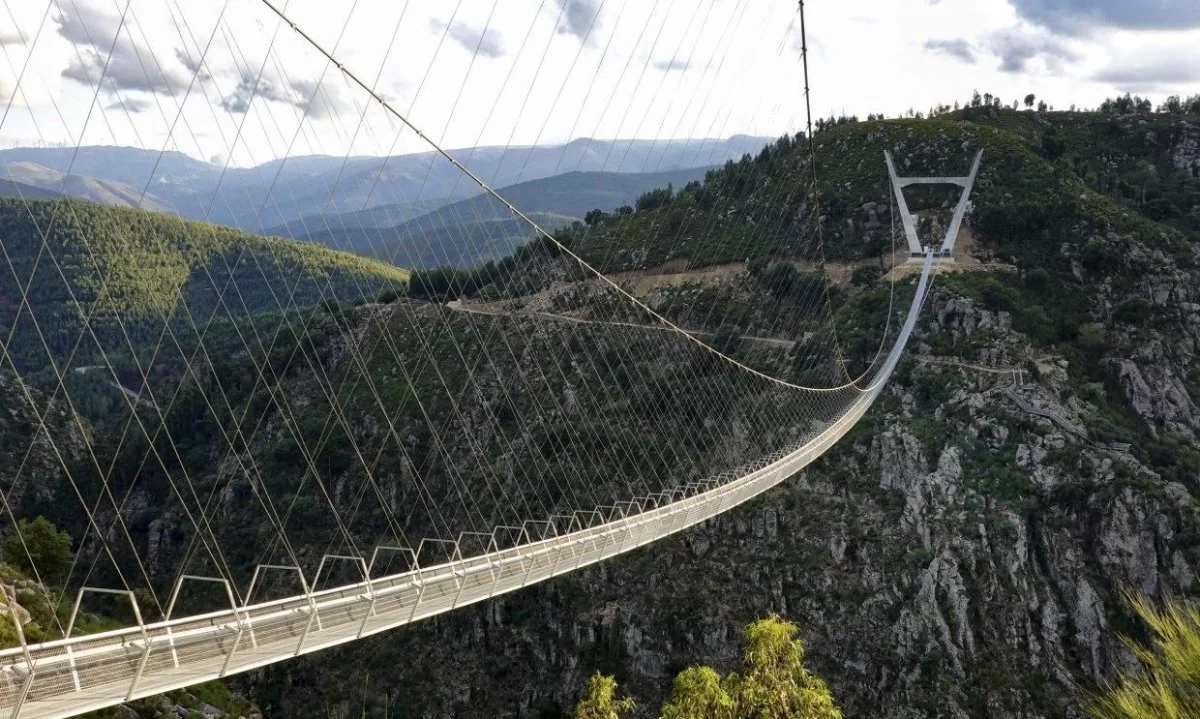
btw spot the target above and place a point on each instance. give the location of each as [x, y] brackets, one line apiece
[39, 548]
[601, 701]
[594, 217]
[655, 198]
[1029, 100]
[1168, 684]
[773, 683]
[1042, 106]
[698, 694]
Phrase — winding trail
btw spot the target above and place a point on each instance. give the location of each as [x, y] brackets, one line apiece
[775, 342]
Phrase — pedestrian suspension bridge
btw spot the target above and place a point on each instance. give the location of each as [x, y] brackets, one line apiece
[478, 452]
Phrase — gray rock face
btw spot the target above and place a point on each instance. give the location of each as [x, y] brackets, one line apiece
[962, 554]
[965, 572]
[1186, 153]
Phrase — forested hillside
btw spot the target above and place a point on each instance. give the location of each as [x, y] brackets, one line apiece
[82, 280]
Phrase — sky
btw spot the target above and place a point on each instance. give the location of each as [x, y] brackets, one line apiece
[229, 81]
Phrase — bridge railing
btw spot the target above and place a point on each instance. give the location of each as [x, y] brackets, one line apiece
[70, 676]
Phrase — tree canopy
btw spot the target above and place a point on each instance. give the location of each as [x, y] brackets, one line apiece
[38, 547]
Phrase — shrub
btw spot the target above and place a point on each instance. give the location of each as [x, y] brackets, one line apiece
[37, 547]
[1132, 310]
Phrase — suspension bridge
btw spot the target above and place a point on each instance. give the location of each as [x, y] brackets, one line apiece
[477, 453]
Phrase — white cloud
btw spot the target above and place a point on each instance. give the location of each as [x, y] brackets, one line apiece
[13, 37]
[1158, 68]
[105, 49]
[957, 48]
[486, 42]
[1081, 16]
[579, 17]
[1020, 46]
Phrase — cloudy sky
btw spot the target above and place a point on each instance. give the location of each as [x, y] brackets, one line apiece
[227, 80]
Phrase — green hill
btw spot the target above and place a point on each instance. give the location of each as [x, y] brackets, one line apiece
[961, 552]
[125, 274]
[464, 241]
[10, 188]
[1039, 174]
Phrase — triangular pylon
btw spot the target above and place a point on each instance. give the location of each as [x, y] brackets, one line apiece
[916, 249]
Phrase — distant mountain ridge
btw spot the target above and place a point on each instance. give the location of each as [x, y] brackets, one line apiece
[277, 193]
[481, 228]
[50, 183]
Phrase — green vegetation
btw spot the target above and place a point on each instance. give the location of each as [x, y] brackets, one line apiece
[114, 276]
[481, 229]
[1167, 685]
[1083, 238]
[48, 610]
[38, 546]
[773, 684]
[601, 701]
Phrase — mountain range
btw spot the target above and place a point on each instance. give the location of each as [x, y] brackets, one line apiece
[481, 228]
[278, 194]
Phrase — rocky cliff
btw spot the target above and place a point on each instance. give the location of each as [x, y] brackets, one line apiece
[964, 552]
[961, 554]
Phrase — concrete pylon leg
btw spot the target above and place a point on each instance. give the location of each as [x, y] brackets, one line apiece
[915, 247]
[910, 230]
[952, 233]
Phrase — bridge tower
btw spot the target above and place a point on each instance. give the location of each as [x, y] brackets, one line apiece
[944, 253]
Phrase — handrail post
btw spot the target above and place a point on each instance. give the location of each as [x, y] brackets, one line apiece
[625, 515]
[28, 683]
[175, 596]
[521, 532]
[458, 557]
[375, 597]
[562, 549]
[137, 613]
[547, 527]
[421, 571]
[315, 615]
[243, 618]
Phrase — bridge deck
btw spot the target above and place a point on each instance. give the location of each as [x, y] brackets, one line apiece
[68, 677]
